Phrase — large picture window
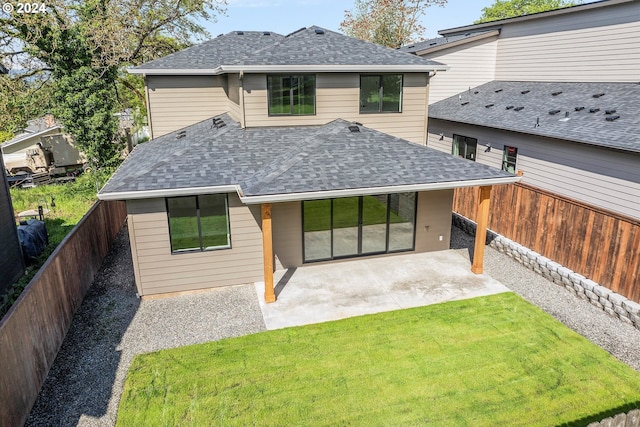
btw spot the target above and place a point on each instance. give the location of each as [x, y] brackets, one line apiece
[292, 95]
[199, 223]
[355, 226]
[465, 147]
[381, 93]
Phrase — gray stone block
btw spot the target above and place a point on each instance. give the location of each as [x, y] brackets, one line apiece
[601, 291]
[591, 295]
[594, 425]
[605, 302]
[610, 312]
[584, 296]
[633, 418]
[632, 307]
[597, 304]
[567, 281]
[624, 319]
[588, 284]
[553, 266]
[619, 420]
[578, 289]
[577, 278]
[620, 311]
[634, 318]
[564, 271]
[617, 299]
[607, 422]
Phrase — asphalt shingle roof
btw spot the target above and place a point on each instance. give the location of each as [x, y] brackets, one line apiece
[496, 105]
[286, 160]
[304, 47]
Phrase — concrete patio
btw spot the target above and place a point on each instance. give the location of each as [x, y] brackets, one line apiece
[331, 291]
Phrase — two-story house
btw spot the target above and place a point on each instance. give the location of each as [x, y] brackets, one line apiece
[273, 151]
[552, 95]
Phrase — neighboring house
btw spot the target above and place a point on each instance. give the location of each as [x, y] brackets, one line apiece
[594, 42]
[275, 151]
[11, 261]
[41, 146]
[558, 103]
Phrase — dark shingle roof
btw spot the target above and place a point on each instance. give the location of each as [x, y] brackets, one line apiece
[286, 160]
[312, 46]
[441, 41]
[489, 105]
[211, 54]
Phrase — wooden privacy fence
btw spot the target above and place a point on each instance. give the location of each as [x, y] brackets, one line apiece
[32, 332]
[598, 244]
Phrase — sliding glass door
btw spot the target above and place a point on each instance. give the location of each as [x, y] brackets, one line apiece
[355, 226]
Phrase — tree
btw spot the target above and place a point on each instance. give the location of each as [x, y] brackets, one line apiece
[82, 47]
[503, 9]
[391, 23]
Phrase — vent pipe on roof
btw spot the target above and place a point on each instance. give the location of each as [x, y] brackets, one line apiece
[556, 93]
[598, 95]
[354, 129]
[240, 33]
[612, 118]
[319, 31]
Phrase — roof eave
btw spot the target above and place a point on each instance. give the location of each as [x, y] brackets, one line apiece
[293, 197]
[224, 69]
[171, 192]
[29, 136]
[458, 42]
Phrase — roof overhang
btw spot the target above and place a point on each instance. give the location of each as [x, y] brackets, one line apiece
[28, 136]
[555, 12]
[481, 36]
[255, 69]
[314, 195]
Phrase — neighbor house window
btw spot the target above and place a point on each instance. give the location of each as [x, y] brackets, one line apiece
[381, 93]
[509, 159]
[292, 95]
[465, 147]
[199, 223]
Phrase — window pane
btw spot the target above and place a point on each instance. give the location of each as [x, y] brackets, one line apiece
[279, 94]
[470, 149]
[402, 221]
[304, 94]
[214, 221]
[392, 93]
[317, 229]
[183, 223]
[369, 94]
[374, 224]
[345, 226]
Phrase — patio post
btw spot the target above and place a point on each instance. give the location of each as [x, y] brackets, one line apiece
[267, 250]
[482, 222]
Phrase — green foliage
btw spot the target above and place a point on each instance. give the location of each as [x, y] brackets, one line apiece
[21, 100]
[391, 23]
[72, 201]
[503, 9]
[490, 361]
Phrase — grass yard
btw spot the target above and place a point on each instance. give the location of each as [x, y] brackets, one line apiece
[482, 362]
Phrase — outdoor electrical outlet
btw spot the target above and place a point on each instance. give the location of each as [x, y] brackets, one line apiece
[440, 238]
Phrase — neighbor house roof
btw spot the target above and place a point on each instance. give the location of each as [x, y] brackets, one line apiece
[555, 12]
[600, 114]
[274, 164]
[311, 49]
[35, 128]
[439, 43]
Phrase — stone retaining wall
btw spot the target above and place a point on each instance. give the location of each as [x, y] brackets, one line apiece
[632, 419]
[605, 299]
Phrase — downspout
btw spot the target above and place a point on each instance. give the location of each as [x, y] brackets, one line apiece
[426, 106]
[243, 123]
[146, 93]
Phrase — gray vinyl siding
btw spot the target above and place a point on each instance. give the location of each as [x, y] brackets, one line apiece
[604, 178]
[179, 101]
[471, 65]
[159, 271]
[592, 45]
[337, 96]
[11, 264]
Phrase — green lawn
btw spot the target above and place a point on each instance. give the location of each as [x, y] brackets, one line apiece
[482, 362]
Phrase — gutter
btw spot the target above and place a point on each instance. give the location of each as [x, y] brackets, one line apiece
[314, 195]
[224, 69]
[172, 192]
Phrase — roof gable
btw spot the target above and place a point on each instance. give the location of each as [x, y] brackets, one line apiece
[579, 112]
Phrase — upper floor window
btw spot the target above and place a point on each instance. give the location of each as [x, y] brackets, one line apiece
[381, 93]
[509, 159]
[199, 223]
[465, 147]
[292, 95]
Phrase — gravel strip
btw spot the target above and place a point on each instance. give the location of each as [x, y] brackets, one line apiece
[112, 325]
[611, 334]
